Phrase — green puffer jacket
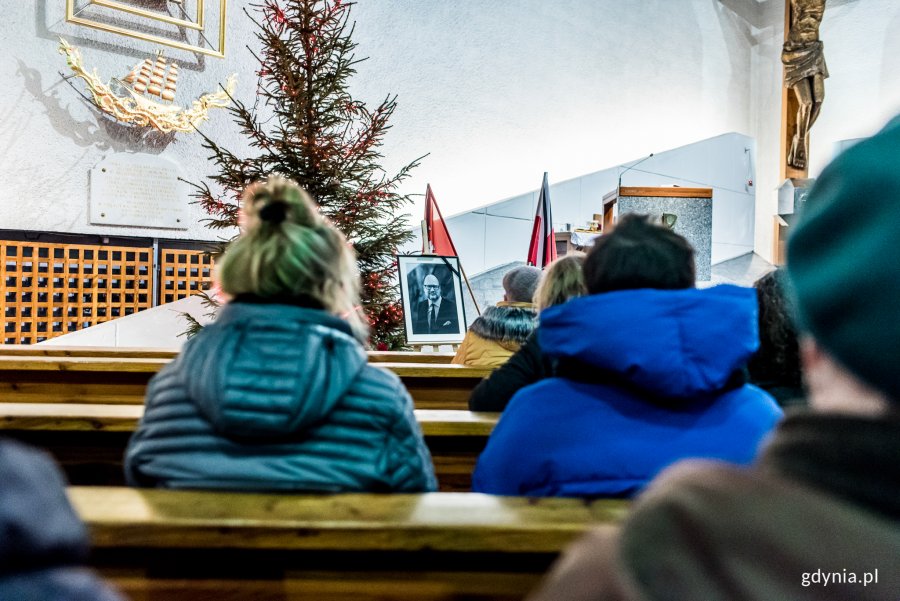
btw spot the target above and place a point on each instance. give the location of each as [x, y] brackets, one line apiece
[278, 397]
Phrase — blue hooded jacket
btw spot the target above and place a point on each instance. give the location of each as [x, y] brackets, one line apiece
[278, 397]
[651, 381]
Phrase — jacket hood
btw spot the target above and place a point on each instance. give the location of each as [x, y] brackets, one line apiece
[670, 343]
[506, 323]
[38, 527]
[263, 370]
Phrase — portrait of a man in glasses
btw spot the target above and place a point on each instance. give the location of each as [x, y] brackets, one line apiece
[435, 312]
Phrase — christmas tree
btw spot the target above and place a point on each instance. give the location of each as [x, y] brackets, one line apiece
[306, 126]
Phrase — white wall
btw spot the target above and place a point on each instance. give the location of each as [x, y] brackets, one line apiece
[499, 233]
[767, 74]
[497, 92]
[862, 50]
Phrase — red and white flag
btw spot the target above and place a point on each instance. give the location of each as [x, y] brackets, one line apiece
[542, 249]
[439, 241]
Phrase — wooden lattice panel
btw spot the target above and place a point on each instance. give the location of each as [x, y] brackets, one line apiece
[52, 289]
[183, 273]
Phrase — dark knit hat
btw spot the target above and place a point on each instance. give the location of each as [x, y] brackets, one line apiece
[843, 260]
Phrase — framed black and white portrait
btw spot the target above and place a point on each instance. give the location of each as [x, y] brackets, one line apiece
[431, 291]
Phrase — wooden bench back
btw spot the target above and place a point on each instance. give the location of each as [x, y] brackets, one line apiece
[42, 350]
[75, 417]
[115, 380]
[174, 545]
[89, 441]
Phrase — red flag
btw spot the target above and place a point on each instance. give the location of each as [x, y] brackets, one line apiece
[439, 241]
[542, 249]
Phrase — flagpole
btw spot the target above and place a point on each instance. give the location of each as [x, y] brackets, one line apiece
[543, 236]
[461, 270]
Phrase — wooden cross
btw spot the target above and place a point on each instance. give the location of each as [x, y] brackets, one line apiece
[804, 88]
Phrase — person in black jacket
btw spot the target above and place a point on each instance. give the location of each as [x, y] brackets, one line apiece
[775, 367]
[563, 280]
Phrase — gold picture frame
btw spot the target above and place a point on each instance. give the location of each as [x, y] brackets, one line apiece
[155, 16]
[114, 5]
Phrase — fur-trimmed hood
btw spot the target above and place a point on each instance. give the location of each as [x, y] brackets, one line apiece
[506, 322]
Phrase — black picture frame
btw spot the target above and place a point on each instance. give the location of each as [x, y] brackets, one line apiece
[447, 325]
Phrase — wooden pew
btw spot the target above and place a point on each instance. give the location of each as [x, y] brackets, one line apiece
[186, 545]
[409, 357]
[89, 441]
[114, 380]
[39, 350]
[123, 352]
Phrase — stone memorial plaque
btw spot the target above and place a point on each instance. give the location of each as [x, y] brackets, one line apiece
[138, 190]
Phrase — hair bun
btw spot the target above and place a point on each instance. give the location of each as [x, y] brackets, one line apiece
[274, 211]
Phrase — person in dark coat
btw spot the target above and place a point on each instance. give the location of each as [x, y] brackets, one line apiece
[818, 517]
[500, 331]
[775, 367]
[43, 544]
[562, 280]
[277, 393]
[650, 371]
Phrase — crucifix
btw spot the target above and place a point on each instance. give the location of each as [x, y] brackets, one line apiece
[804, 83]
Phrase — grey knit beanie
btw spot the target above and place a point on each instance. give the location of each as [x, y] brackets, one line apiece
[519, 283]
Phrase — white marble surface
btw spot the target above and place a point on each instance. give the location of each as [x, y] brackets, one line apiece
[693, 221]
[159, 327]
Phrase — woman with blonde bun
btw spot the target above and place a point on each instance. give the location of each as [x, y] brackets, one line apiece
[277, 393]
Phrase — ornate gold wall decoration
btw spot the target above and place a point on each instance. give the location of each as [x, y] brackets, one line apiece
[112, 8]
[145, 96]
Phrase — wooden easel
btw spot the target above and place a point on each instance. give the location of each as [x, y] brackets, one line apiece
[426, 252]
